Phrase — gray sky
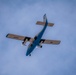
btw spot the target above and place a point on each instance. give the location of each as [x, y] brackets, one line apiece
[19, 17]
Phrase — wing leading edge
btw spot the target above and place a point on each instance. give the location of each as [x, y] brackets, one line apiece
[24, 38]
[13, 36]
[18, 37]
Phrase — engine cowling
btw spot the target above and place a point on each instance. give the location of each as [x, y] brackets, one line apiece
[24, 42]
[29, 54]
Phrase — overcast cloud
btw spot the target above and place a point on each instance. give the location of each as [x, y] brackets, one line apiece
[19, 17]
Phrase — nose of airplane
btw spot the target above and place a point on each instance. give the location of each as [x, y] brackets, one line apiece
[27, 53]
[29, 50]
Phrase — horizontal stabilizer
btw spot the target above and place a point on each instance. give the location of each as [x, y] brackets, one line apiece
[43, 23]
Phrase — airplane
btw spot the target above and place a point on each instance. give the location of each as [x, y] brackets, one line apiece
[37, 40]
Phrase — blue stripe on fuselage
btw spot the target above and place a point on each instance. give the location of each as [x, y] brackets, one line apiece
[36, 42]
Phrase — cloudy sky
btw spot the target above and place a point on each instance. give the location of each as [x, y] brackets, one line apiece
[19, 17]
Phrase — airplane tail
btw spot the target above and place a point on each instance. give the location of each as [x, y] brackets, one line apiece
[44, 21]
[44, 18]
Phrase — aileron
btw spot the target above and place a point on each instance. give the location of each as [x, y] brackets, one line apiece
[44, 41]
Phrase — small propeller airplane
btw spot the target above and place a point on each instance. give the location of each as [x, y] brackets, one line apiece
[37, 40]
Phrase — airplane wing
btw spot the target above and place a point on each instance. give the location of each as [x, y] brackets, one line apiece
[18, 37]
[23, 38]
[45, 41]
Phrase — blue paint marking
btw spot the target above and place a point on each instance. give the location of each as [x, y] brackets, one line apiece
[36, 42]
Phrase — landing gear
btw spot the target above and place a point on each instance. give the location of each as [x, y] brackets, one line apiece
[23, 43]
[29, 54]
[40, 46]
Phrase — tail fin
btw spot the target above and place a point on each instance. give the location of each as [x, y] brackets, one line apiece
[44, 18]
[44, 21]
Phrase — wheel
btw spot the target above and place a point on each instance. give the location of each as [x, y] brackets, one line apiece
[29, 54]
[40, 46]
[22, 43]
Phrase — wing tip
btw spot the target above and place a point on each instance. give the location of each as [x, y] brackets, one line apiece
[59, 42]
[7, 35]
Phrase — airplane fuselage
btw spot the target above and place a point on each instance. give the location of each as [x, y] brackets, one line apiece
[36, 41]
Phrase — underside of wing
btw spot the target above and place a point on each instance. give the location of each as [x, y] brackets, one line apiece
[18, 37]
[45, 41]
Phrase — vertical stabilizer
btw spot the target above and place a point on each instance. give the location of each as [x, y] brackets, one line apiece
[44, 18]
[44, 21]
